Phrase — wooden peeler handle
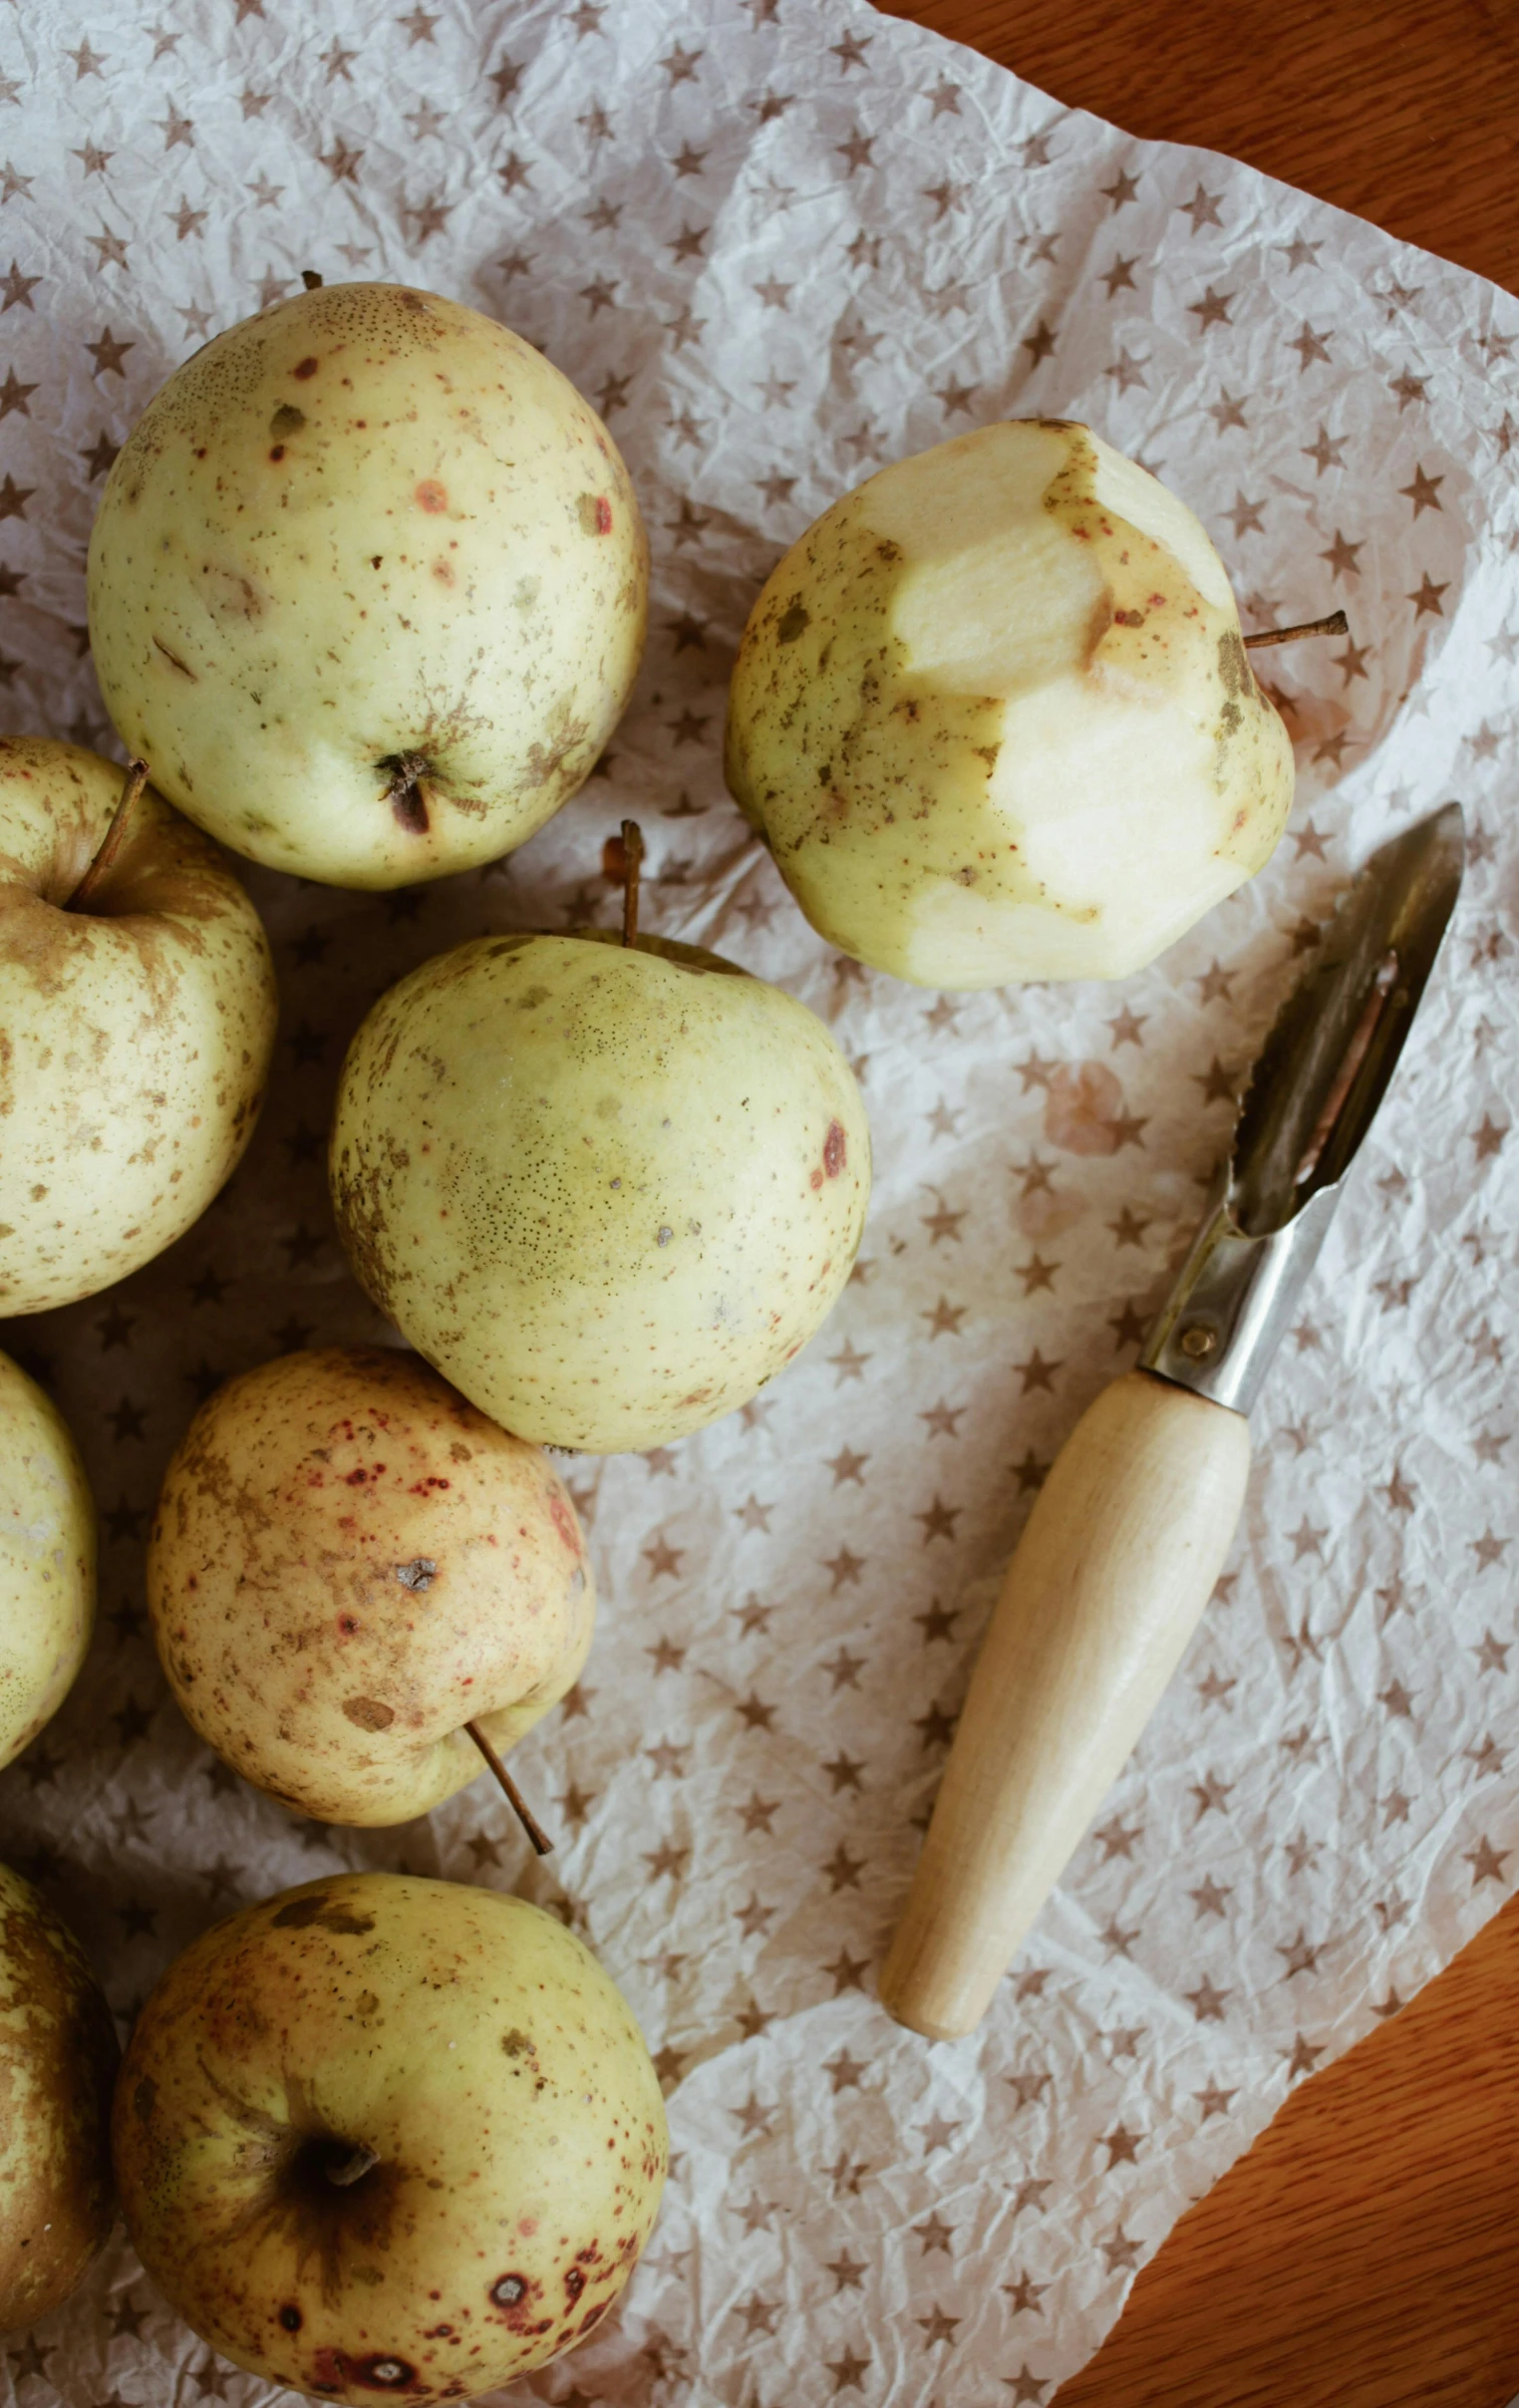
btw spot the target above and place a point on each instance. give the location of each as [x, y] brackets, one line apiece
[1121, 1555]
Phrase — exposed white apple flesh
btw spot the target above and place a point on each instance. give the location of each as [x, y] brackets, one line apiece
[382, 2136]
[348, 1565]
[368, 586]
[47, 1560]
[607, 1190]
[993, 716]
[137, 1028]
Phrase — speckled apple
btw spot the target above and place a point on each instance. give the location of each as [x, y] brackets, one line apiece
[608, 1190]
[348, 1563]
[368, 587]
[993, 716]
[382, 2136]
[137, 1031]
[57, 2060]
[47, 1560]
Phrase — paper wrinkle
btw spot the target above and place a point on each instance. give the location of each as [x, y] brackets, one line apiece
[1326, 1805]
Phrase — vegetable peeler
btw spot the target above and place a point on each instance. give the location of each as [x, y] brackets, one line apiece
[1132, 1528]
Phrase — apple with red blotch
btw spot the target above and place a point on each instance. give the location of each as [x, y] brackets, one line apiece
[387, 2137]
[348, 1564]
[368, 585]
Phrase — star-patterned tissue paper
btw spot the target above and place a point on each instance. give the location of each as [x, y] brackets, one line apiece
[780, 244]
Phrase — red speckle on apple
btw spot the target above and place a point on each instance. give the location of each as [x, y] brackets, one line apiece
[431, 495]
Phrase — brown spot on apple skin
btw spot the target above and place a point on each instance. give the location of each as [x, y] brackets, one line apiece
[305, 368]
[368, 1713]
[298, 1914]
[432, 496]
[175, 661]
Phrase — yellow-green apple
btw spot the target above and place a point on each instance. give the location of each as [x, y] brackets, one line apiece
[348, 1565]
[381, 2135]
[47, 1560]
[58, 2059]
[368, 587]
[134, 1031]
[609, 1190]
[993, 716]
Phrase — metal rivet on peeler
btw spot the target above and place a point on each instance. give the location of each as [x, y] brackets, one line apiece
[1198, 1342]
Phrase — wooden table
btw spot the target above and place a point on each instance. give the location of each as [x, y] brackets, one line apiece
[1401, 109]
[1365, 2252]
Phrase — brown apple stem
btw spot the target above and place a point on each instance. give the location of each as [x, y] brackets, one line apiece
[1336, 624]
[115, 836]
[353, 2169]
[310, 280]
[542, 1844]
[633, 856]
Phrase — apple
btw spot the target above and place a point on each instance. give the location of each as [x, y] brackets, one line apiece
[368, 586]
[349, 1564]
[607, 1190]
[381, 2135]
[47, 1560]
[137, 1026]
[57, 2060]
[993, 716]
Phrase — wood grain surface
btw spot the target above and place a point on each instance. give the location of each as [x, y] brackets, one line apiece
[1404, 111]
[1365, 2252]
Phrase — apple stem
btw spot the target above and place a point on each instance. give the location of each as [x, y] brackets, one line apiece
[310, 280]
[110, 843]
[542, 1844]
[1336, 624]
[633, 854]
[354, 2169]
